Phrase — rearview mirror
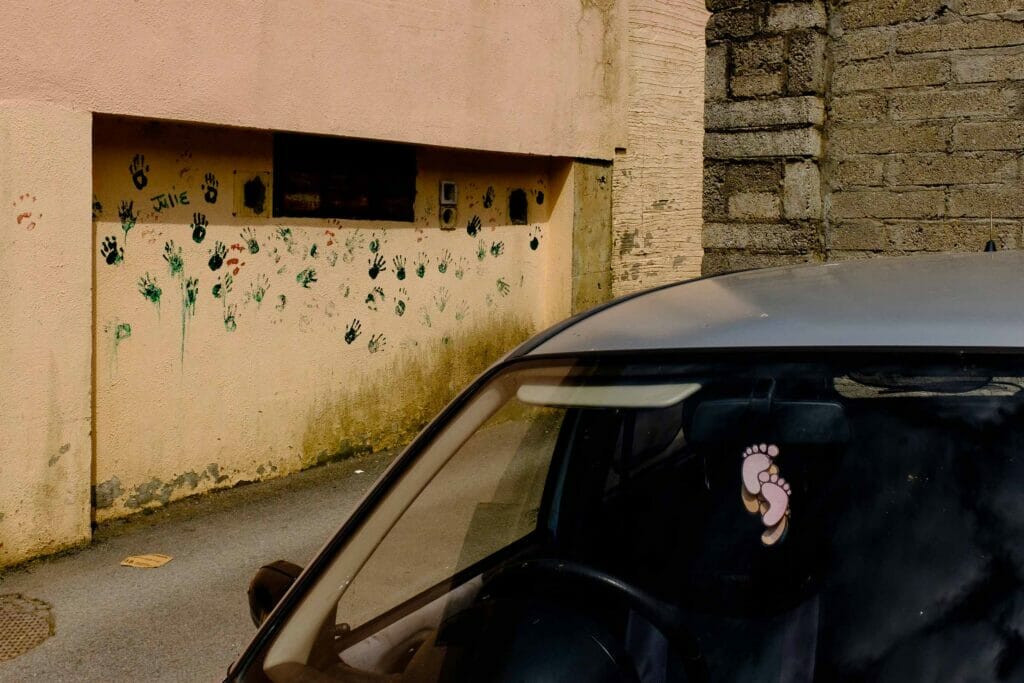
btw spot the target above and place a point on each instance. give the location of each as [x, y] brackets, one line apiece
[793, 422]
[269, 585]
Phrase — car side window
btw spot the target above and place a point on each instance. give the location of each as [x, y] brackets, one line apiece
[485, 497]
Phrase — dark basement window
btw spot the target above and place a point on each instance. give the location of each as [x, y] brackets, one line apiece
[325, 177]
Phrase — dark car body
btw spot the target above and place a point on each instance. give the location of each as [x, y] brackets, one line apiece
[799, 474]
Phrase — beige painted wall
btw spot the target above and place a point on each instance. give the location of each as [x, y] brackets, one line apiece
[45, 349]
[259, 383]
[283, 389]
[531, 76]
[657, 179]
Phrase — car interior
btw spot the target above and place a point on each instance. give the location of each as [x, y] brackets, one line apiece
[899, 555]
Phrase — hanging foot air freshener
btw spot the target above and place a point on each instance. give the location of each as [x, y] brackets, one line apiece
[764, 492]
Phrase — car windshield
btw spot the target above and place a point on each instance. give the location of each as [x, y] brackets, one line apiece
[830, 517]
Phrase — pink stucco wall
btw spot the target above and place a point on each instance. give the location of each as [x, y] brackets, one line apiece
[530, 76]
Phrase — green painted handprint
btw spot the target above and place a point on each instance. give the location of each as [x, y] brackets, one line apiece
[258, 289]
[175, 261]
[191, 294]
[229, 318]
[249, 237]
[149, 289]
[222, 288]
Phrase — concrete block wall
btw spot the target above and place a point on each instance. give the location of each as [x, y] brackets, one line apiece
[924, 138]
[914, 143]
[764, 114]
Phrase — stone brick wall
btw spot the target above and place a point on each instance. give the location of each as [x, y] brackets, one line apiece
[861, 127]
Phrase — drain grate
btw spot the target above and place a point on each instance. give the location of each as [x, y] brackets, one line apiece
[24, 624]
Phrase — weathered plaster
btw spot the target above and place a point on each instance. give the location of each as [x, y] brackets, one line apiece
[657, 177]
[46, 339]
[591, 234]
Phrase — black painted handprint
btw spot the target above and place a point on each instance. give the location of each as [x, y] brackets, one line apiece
[446, 259]
[126, 212]
[376, 266]
[377, 343]
[217, 255]
[110, 252]
[210, 188]
[352, 332]
[199, 227]
[497, 248]
[377, 241]
[535, 240]
[503, 287]
[489, 197]
[473, 227]
[375, 297]
[306, 277]
[139, 169]
[399, 263]
[441, 299]
[400, 305]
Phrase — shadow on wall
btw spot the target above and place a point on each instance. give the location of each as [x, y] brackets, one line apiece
[392, 405]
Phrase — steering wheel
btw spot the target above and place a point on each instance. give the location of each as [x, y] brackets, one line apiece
[660, 614]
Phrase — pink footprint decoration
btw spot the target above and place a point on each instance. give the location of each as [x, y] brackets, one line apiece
[756, 459]
[775, 492]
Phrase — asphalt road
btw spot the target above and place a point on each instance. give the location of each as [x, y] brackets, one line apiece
[187, 620]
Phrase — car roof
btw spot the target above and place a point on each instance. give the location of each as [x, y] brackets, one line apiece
[934, 301]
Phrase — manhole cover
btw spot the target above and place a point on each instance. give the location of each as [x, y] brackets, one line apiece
[24, 623]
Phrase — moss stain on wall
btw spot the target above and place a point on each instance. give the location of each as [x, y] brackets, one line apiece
[378, 415]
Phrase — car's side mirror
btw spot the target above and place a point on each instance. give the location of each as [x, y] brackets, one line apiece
[269, 585]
